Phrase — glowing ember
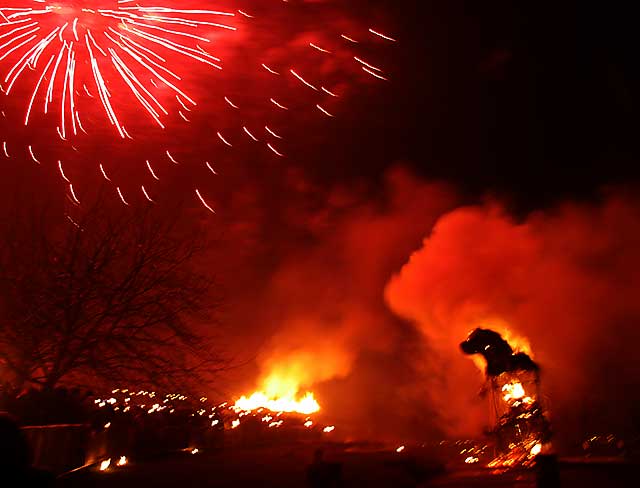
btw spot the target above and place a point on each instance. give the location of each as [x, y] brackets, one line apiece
[328, 429]
[400, 449]
[104, 465]
[537, 449]
[471, 460]
[235, 423]
[122, 461]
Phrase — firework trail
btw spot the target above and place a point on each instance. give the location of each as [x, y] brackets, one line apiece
[87, 46]
[134, 64]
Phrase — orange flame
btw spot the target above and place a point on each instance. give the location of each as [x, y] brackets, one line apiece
[305, 405]
[279, 394]
[514, 392]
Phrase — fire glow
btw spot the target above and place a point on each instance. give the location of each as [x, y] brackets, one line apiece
[306, 405]
[514, 392]
[279, 394]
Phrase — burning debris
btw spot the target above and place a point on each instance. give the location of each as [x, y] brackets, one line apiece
[280, 393]
[290, 404]
[279, 402]
[513, 382]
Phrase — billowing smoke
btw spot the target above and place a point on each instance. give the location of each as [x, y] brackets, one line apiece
[319, 317]
[363, 293]
[567, 279]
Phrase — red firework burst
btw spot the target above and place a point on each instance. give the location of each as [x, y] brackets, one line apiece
[86, 48]
[83, 64]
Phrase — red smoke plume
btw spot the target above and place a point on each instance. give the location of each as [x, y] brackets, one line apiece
[322, 308]
[565, 278]
[317, 277]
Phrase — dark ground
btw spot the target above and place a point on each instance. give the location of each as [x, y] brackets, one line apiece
[285, 466]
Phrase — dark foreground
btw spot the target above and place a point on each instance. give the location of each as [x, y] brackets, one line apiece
[287, 467]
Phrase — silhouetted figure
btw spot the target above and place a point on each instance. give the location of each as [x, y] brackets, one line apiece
[15, 463]
[321, 474]
[497, 352]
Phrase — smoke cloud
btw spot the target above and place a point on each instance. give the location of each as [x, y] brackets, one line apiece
[565, 278]
[320, 319]
[363, 292]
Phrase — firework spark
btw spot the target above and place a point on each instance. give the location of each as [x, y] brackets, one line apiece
[86, 49]
[87, 65]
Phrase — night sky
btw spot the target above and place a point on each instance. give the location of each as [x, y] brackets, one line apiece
[537, 100]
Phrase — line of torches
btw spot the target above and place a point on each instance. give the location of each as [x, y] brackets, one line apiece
[272, 411]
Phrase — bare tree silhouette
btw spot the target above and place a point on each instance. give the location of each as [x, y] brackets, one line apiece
[111, 296]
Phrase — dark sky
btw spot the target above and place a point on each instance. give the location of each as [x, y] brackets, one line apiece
[536, 99]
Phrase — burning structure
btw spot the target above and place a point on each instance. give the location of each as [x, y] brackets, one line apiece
[521, 427]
